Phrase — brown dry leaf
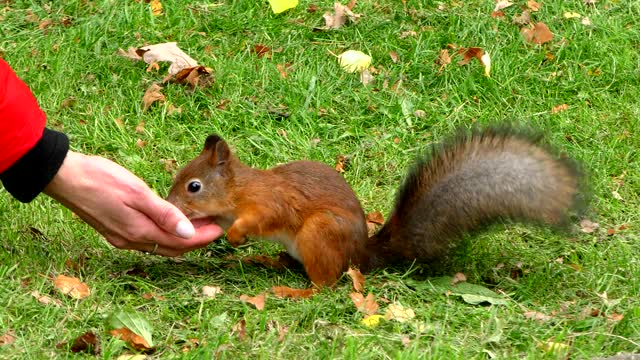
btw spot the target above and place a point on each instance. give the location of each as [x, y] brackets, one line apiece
[211, 291]
[394, 57]
[443, 59]
[502, 4]
[197, 76]
[86, 343]
[44, 299]
[156, 7]
[31, 17]
[341, 163]
[534, 6]
[134, 340]
[287, 292]
[282, 69]
[152, 295]
[130, 53]
[8, 338]
[169, 52]
[45, 24]
[240, 329]
[71, 286]
[357, 279]
[375, 217]
[590, 2]
[152, 95]
[458, 278]
[257, 301]
[537, 316]
[366, 78]
[559, 108]
[367, 305]
[399, 313]
[173, 110]
[615, 317]
[523, 19]
[341, 15]
[405, 34]
[478, 53]
[141, 143]
[587, 226]
[140, 127]
[537, 34]
[497, 14]
[262, 50]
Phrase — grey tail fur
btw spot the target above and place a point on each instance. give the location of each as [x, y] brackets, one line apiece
[471, 181]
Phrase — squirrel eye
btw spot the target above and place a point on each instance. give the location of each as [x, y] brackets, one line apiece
[194, 186]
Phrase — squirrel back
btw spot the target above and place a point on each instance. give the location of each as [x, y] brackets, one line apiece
[471, 181]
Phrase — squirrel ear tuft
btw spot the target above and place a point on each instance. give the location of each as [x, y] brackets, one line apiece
[217, 149]
[211, 141]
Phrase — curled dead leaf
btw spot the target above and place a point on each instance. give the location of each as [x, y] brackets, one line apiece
[588, 226]
[367, 305]
[341, 15]
[169, 52]
[357, 279]
[71, 286]
[7, 338]
[559, 108]
[399, 313]
[132, 339]
[537, 33]
[152, 95]
[257, 301]
[287, 292]
[211, 291]
[537, 316]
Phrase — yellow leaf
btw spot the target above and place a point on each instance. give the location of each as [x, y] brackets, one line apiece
[399, 313]
[279, 6]
[570, 15]
[156, 7]
[372, 320]
[486, 61]
[353, 60]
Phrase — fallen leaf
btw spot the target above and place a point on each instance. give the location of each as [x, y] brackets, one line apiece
[197, 76]
[287, 292]
[130, 53]
[156, 7]
[366, 78]
[552, 347]
[7, 338]
[211, 291]
[141, 143]
[44, 299]
[375, 217]
[278, 6]
[140, 127]
[485, 60]
[537, 316]
[590, 2]
[353, 60]
[45, 24]
[611, 232]
[398, 313]
[372, 320]
[443, 59]
[616, 195]
[497, 14]
[405, 34]
[152, 95]
[585, 21]
[261, 50]
[475, 52]
[341, 14]
[240, 329]
[341, 163]
[367, 305]
[615, 317]
[570, 15]
[406, 341]
[534, 6]
[134, 340]
[523, 19]
[282, 69]
[537, 34]
[502, 4]
[153, 67]
[86, 343]
[458, 277]
[420, 114]
[169, 52]
[559, 108]
[394, 57]
[152, 295]
[257, 301]
[587, 226]
[357, 279]
[71, 286]
[173, 110]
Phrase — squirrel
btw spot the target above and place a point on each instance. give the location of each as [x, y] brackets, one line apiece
[464, 183]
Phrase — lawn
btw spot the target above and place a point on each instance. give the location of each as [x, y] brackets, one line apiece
[563, 295]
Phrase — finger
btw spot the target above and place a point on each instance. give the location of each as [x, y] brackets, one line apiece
[165, 215]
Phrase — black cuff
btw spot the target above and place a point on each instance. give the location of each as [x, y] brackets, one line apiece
[32, 173]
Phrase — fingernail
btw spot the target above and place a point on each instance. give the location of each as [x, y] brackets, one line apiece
[185, 229]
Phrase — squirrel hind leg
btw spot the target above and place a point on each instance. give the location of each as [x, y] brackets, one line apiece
[326, 244]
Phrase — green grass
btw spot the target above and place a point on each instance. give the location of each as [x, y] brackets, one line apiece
[594, 69]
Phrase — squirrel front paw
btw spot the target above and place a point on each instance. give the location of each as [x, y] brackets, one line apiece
[235, 237]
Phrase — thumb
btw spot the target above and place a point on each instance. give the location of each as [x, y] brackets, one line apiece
[167, 217]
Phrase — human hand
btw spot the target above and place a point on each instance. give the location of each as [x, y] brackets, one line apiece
[121, 207]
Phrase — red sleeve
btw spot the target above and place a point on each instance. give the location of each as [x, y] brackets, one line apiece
[21, 119]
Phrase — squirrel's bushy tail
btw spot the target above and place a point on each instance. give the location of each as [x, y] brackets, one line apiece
[470, 181]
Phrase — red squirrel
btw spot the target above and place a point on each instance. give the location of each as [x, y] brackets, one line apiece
[464, 183]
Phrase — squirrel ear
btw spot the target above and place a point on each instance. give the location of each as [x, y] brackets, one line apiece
[218, 149]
